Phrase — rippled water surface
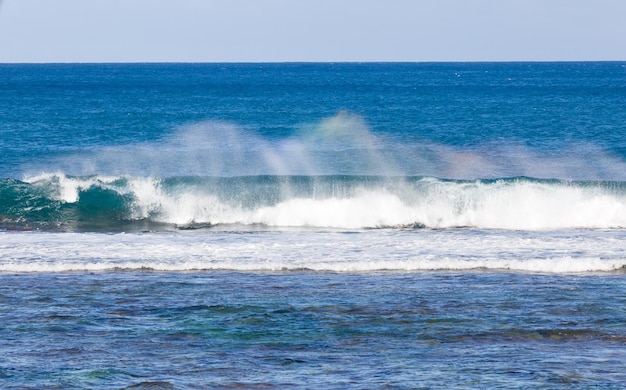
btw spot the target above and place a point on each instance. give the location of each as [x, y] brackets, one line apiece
[308, 329]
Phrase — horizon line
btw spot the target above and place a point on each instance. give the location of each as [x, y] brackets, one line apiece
[307, 62]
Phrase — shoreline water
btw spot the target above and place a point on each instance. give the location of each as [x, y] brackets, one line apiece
[300, 329]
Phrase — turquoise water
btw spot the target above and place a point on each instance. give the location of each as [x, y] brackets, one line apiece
[313, 225]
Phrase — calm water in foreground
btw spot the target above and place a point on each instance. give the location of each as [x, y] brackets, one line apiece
[313, 329]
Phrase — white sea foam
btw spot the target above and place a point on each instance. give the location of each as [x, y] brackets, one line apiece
[365, 251]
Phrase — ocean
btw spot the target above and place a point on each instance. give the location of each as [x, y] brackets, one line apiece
[313, 225]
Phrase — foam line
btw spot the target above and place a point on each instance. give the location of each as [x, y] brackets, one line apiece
[555, 252]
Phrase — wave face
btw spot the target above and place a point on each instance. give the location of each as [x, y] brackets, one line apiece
[119, 203]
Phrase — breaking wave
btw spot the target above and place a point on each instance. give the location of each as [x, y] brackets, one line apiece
[121, 203]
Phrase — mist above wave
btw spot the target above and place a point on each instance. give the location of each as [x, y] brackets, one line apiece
[342, 144]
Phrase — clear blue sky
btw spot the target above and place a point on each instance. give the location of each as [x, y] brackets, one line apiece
[311, 30]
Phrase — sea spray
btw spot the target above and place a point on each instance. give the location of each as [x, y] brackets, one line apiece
[341, 144]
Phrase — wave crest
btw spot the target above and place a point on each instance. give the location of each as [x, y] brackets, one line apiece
[343, 202]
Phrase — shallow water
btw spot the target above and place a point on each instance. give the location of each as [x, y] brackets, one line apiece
[313, 329]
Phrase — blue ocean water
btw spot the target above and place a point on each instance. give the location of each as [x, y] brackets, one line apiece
[445, 225]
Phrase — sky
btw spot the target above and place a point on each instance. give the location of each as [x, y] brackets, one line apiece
[311, 30]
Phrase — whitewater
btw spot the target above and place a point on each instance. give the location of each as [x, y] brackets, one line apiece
[584, 251]
[346, 202]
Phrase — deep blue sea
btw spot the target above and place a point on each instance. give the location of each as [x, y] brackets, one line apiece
[327, 225]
